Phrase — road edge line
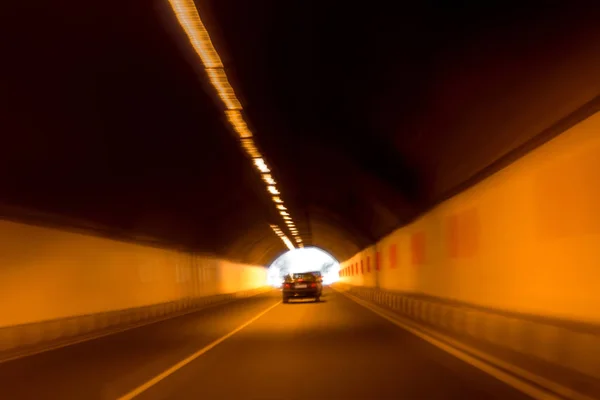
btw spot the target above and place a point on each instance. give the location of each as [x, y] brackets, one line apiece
[94, 336]
[148, 384]
[505, 372]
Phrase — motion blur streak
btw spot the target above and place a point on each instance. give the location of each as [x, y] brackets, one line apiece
[235, 118]
[453, 178]
[188, 17]
[218, 78]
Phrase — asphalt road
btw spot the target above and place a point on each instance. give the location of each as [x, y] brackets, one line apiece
[335, 349]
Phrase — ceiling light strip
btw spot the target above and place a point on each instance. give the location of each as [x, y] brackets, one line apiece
[188, 17]
[284, 238]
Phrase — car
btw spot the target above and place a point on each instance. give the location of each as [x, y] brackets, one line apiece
[302, 285]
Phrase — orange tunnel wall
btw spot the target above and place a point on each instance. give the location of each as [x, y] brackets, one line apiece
[48, 274]
[525, 239]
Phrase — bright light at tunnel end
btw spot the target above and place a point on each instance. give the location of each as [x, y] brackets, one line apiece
[303, 260]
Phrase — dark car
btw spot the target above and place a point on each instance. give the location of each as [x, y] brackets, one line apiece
[301, 286]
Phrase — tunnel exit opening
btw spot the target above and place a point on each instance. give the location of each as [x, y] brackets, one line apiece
[305, 259]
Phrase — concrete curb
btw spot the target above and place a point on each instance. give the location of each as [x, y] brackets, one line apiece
[549, 343]
[26, 339]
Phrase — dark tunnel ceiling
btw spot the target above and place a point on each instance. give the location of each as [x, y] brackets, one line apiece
[369, 114]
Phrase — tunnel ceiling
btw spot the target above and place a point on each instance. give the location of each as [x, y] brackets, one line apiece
[369, 113]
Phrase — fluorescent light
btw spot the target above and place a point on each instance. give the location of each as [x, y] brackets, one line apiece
[189, 18]
[269, 179]
[261, 165]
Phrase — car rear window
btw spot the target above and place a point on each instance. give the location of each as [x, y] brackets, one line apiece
[306, 277]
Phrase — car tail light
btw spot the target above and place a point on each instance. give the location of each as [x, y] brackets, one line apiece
[287, 286]
[313, 285]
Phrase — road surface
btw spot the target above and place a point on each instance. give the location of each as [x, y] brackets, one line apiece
[335, 349]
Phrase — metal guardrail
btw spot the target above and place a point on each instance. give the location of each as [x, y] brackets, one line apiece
[24, 339]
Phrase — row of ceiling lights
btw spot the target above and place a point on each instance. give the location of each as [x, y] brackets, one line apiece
[283, 237]
[188, 17]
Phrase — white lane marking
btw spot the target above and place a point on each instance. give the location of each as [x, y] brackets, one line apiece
[140, 389]
[454, 349]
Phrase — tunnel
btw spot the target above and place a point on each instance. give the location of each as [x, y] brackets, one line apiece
[161, 159]
[304, 260]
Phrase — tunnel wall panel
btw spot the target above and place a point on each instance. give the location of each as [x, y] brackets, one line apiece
[526, 239]
[47, 274]
[509, 266]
